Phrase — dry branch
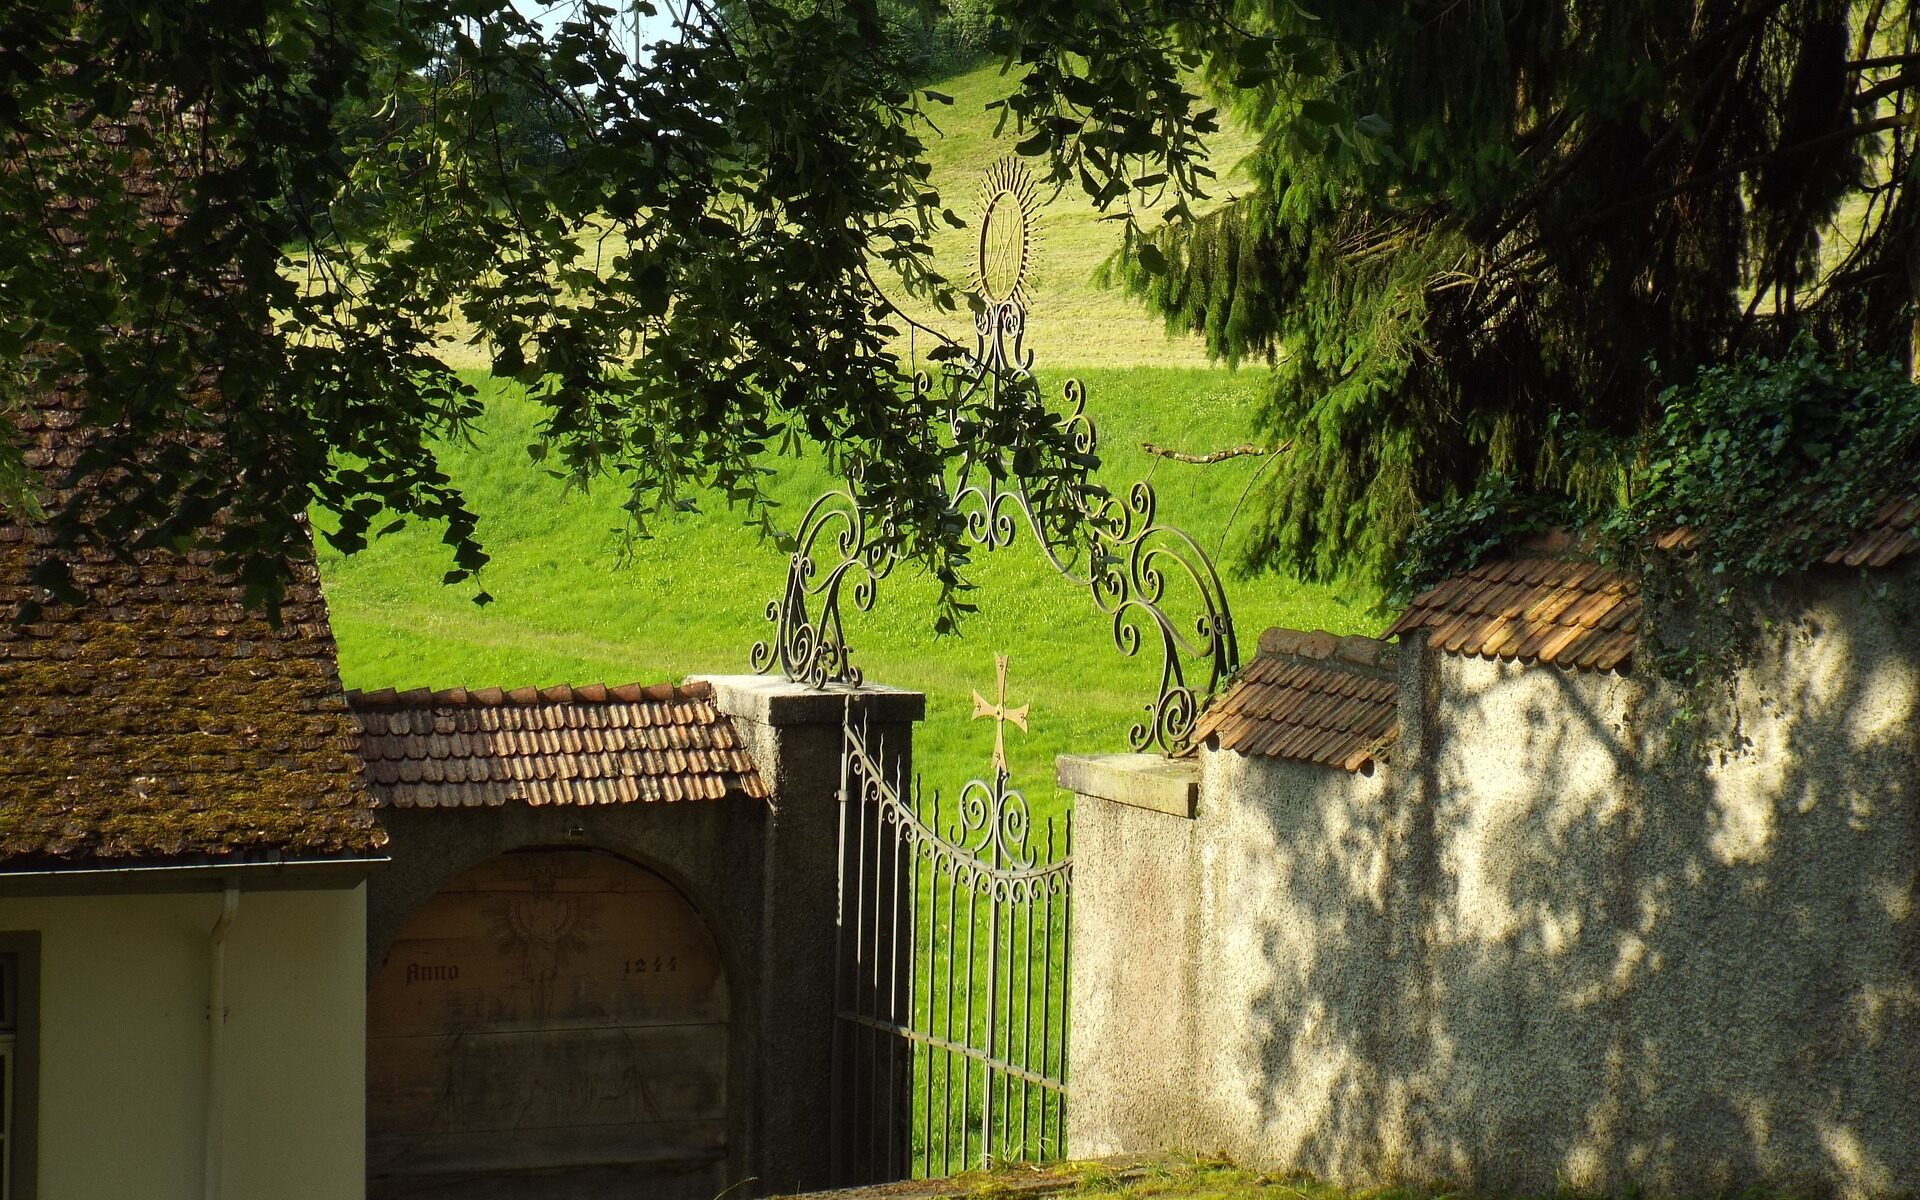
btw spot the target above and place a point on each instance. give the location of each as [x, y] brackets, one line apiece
[1244, 450]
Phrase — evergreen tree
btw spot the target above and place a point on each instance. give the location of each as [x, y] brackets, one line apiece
[1482, 236]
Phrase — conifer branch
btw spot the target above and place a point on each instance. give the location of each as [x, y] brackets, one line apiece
[1874, 95]
[1888, 60]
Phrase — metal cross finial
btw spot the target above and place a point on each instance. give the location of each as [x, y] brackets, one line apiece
[1000, 713]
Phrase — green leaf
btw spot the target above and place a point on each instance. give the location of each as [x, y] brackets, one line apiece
[1324, 111]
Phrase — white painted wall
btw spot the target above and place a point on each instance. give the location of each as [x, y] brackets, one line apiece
[123, 1044]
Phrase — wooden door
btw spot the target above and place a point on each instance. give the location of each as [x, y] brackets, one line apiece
[551, 1026]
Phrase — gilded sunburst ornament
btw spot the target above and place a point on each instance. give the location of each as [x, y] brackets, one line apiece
[1007, 233]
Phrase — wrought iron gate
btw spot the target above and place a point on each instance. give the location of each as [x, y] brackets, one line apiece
[950, 1045]
[952, 985]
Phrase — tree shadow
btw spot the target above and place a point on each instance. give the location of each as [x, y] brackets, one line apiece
[1567, 939]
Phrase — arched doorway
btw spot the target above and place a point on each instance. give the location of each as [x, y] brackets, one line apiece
[551, 1025]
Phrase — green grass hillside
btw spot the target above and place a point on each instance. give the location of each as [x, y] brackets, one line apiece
[691, 599]
[571, 608]
[1075, 323]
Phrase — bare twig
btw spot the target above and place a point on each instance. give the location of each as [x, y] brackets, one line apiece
[1220, 548]
[1244, 450]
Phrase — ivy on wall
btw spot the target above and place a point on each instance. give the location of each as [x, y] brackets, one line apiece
[1756, 470]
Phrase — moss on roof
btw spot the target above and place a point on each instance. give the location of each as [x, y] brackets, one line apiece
[162, 720]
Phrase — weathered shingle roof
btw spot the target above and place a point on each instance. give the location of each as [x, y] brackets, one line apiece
[1566, 611]
[559, 745]
[162, 721]
[1312, 697]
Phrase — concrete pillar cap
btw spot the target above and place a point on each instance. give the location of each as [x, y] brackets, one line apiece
[771, 700]
[1168, 785]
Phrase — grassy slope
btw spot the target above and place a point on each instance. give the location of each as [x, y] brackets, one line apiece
[691, 600]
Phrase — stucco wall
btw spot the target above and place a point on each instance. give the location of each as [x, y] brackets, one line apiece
[1230, 972]
[123, 1043]
[1551, 941]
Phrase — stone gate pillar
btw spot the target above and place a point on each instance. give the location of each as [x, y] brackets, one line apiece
[794, 735]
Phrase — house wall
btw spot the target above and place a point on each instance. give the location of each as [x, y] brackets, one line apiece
[1558, 938]
[123, 1043]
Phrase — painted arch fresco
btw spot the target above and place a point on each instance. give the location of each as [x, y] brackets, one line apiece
[550, 1025]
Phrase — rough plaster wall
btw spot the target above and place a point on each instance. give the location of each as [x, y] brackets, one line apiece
[1557, 944]
[1229, 972]
[1529, 791]
[1774, 1019]
[1130, 1041]
[1293, 1015]
[1682, 960]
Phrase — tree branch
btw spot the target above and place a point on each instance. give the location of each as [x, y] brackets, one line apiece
[1244, 450]
[1890, 60]
[1732, 171]
[1873, 95]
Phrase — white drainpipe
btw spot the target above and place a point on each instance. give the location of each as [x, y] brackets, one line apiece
[217, 1040]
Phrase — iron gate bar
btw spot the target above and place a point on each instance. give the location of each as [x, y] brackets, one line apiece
[899, 1042]
[1113, 545]
[900, 983]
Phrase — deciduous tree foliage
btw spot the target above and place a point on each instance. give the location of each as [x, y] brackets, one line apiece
[241, 229]
[1479, 232]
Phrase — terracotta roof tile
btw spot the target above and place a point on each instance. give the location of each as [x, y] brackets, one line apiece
[556, 745]
[1566, 611]
[1893, 533]
[1313, 697]
[1573, 612]
[161, 721]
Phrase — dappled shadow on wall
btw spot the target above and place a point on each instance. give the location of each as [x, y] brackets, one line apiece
[1580, 940]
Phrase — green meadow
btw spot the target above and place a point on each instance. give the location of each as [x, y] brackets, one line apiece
[573, 603]
[576, 602]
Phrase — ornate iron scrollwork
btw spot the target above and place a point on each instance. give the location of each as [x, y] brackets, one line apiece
[833, 556]
[1134, 566]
